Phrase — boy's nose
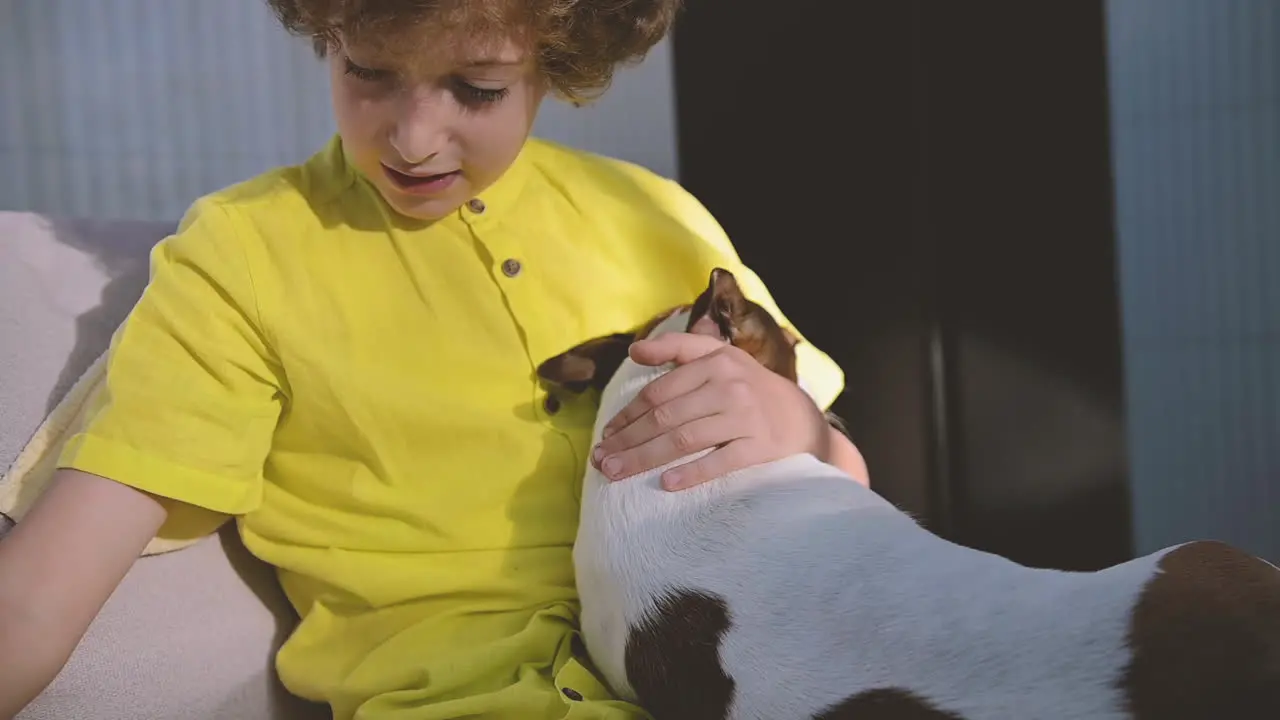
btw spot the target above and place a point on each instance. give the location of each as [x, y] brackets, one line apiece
[418, 134]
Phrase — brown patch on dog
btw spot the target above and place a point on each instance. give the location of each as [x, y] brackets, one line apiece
[886, 704]
[745, 324]
[673, 658]
[589, 365]
[1205, 638]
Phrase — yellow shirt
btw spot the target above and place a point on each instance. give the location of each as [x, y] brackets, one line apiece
[359, 390]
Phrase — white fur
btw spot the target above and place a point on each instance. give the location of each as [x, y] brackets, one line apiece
[832, 591]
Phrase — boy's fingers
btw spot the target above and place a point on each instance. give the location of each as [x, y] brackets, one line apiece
[667, 417]
[733, 456]
[678, 348]
[678, 382]
[688, 439]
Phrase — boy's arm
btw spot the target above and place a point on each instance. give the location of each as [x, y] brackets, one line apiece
[843, 454]
[58, 566]
[188, 410]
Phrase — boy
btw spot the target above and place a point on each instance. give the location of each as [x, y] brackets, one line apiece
[341, 356]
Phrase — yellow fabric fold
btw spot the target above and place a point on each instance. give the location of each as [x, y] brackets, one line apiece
[34, 467]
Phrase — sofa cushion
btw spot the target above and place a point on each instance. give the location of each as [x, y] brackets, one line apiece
[187, 635]
[65, 285]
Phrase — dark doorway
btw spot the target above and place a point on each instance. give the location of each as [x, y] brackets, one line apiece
[926, 188]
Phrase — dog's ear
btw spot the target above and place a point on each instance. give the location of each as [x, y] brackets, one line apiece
[723, 310]
[719, 307]
[589, 365]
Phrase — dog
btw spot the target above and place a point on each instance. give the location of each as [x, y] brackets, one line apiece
[789, 590]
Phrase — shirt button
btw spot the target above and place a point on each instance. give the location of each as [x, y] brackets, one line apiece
[511, 267]
[572, 694]
[551, 404]
[475, 205]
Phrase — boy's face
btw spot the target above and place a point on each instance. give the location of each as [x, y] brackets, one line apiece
[433, 131]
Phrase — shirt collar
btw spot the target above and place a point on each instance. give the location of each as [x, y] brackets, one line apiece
[496, 201]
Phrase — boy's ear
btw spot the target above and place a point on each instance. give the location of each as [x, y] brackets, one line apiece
[589, 365]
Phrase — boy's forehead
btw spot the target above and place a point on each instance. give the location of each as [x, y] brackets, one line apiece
[432, 49]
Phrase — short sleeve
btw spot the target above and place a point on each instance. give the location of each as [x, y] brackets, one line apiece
[192, 392]
[819, 375]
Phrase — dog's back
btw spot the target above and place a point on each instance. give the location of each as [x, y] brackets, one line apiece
[790, 592]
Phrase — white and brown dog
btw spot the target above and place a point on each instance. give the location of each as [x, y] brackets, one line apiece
[789, 591]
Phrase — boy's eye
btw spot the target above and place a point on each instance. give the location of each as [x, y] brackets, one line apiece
[474, 96]
[365, 74]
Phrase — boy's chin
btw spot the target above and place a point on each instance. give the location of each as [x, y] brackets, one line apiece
[425, 209]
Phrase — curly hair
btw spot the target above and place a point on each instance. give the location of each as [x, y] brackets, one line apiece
[579, 43]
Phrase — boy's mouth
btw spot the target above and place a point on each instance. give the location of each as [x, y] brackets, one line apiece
[421, 184]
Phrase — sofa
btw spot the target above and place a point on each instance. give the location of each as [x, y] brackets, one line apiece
[190, 634]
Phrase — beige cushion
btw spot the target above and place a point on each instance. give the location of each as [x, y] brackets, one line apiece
[189, 634]
[64, 288]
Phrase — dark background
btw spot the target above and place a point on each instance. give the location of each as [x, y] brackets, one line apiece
[926, 188]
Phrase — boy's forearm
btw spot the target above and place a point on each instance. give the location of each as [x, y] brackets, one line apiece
[57, 568]
[30, 658]
[842, 454]
[33, 646]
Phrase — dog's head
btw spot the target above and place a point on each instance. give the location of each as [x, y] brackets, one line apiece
[721, 310]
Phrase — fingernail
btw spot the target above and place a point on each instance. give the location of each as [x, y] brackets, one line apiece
[596, 455]
[672, 480]
[608, 430]
[611, 466]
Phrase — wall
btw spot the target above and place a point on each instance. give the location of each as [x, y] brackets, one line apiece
[961, 269]
[131, 109]
[1195, 93]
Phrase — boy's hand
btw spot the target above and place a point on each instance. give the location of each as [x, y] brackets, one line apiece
[717, 396]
